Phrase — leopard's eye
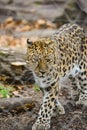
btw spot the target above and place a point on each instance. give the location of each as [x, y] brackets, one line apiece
[49, 60]
[29, 42]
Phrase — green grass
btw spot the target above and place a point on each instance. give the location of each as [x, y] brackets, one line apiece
[36, 88]
[5, 91]
[38, 3]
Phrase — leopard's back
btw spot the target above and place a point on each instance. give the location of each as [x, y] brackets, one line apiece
[72, 52]
[69, 38]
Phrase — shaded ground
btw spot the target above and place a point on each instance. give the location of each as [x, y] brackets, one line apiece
[70, 121]
[75, 117]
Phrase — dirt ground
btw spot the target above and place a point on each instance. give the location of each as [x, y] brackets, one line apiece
[75, 117]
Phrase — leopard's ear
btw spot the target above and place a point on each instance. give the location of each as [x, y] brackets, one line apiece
[29, 42]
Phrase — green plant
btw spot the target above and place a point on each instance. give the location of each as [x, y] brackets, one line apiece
[36, 88]
[38, 3]
[5, 91]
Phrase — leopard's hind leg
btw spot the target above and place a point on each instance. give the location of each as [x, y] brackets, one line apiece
[83, 88]
[75, 88]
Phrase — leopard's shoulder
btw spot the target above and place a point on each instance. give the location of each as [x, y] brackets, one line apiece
[69, 32]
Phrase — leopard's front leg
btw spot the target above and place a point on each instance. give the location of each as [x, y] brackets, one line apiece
[44, 116]
[50, 102]
[45, 113]
[46, 110]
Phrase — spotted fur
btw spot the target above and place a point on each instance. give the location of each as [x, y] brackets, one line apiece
[62, 55]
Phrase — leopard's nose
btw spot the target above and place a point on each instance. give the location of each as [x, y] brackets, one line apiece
[42, 72]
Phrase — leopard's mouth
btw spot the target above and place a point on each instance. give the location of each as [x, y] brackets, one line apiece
[38, 73]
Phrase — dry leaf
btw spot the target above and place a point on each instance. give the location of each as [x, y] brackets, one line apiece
[1, 96]
[9, 20]
[18, 63]
[24, 28]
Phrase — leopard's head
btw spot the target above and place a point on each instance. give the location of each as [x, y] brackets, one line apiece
[41, 55]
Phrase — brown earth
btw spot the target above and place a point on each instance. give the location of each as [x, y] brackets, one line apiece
[75, 117]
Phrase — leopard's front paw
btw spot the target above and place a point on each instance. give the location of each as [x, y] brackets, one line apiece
[41, 126]
[61, 110]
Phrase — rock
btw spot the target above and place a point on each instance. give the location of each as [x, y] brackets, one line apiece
[82, 4]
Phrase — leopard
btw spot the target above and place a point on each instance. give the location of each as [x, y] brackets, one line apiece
[62, 55]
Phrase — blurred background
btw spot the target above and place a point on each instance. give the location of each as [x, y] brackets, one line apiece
[22, 19]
